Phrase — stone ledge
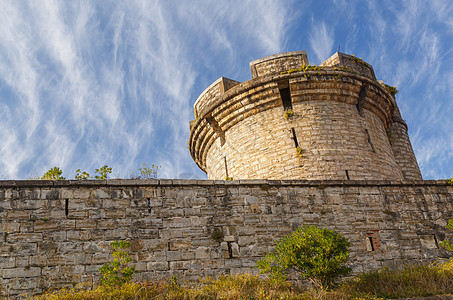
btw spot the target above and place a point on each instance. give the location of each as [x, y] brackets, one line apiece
[192, 182]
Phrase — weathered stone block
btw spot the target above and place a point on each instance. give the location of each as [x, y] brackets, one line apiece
[161, 266]
[229, 238]
[82, 193]
[85, 224]
[202, 253]
[21, 272]
[234, 249]
[7, 262]
[180, 244]
[428, 241]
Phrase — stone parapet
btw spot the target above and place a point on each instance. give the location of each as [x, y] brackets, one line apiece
[277, 63]
[351, 62]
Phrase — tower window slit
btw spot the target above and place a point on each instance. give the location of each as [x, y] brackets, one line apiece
[435, 241]
[286, 98]
[226, 167]
[371, 243]
[285, 95]
[66, 207]
[369, 140]
[296, 143]
[361, 99]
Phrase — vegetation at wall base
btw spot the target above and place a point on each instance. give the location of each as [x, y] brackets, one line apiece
[412, 281]
[243, 286]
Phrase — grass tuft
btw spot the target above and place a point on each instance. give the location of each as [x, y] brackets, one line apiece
[412, 281]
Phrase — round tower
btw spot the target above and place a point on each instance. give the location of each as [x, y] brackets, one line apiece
[296, 121]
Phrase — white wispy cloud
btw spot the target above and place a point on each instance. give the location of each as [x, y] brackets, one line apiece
[421, 67]
[85, 84]
[321, 40]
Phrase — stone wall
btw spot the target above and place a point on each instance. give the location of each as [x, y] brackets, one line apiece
[58, 233]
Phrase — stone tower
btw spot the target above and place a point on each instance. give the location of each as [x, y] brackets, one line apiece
[292, 120]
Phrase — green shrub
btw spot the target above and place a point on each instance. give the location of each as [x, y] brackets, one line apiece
[82, 175]
[299, 151]
[217, 235]
[103, 172]
[316, 254]
[53, 174]
[145, 172]
[148, 172]
[446, 243]
[116, 273]
[288, 113]
[391, 89]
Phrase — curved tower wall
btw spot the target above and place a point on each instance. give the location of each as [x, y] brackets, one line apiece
[294, 121]
[402, 148]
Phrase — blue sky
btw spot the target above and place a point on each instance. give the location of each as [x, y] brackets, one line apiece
[89, 83]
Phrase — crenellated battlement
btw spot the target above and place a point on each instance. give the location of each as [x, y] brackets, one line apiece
[336, 113]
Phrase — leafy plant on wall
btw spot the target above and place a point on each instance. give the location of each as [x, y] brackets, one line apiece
[53, 174]
[117, 272]
[82, 175]
[446, 243]
[148, 172]
[103, 172]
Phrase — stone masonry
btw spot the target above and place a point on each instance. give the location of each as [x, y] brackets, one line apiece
[58, 233]
[291, 120]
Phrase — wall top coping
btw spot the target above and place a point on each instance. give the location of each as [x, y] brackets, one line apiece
[194, 182]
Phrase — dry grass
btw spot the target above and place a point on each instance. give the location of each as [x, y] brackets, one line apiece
[412, 281]
[226, 287]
